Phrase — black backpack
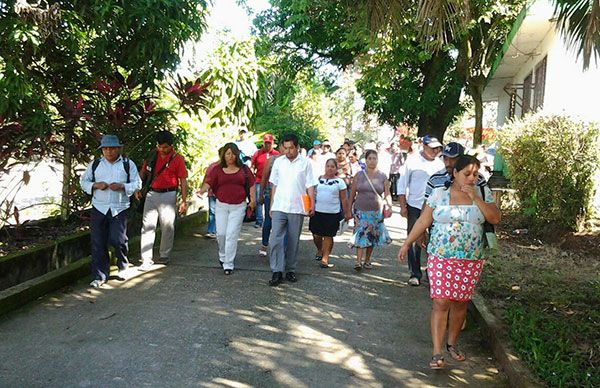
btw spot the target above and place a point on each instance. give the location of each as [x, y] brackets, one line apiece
[96, 162]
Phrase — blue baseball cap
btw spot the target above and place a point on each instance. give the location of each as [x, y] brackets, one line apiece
[316, 142]
[431, 141]
[453, 150]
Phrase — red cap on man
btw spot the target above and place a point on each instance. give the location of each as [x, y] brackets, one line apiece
[268, 138]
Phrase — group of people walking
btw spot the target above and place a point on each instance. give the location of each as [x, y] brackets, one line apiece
[439, 189]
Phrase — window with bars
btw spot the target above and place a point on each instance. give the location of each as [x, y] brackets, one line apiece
[540, 84]
[526, 105]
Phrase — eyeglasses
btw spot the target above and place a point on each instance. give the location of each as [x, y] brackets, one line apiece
[330, 183]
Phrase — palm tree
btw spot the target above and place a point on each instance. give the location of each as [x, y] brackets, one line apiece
[579, 21]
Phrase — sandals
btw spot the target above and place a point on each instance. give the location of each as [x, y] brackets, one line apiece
[455, 353]
[357, 266]
[318, 258]
[367, 265]
[437, 362]
[325, 265]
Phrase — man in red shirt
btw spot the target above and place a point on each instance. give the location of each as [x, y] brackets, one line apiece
[167, 172]
[259, 161]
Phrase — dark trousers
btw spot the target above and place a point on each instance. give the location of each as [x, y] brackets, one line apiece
[394, 185]
[266, 225]
[414, 252]
[108, 230]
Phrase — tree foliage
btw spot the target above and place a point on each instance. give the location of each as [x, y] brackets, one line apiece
[57, 58]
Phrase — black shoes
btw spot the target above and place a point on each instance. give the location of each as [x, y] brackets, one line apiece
[291, 277]
[276, 280]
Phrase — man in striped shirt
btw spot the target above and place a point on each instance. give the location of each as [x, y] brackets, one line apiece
[450, 154]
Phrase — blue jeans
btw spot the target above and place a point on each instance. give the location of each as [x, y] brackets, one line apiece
[108, 230]
[414, 252]
[266, 226]
[259, 210]
[212, 224]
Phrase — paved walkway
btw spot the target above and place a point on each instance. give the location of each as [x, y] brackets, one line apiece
[187, 324]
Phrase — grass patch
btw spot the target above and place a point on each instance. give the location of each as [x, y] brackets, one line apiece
[548, 299]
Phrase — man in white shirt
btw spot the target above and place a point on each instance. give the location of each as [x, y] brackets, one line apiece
[247, 147]
[111, 180]
[411, 195]
[292, 177]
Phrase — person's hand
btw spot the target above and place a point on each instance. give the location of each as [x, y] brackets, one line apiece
[183, 208]
[404, 211]
[348, 216]
[100, 186]
[261, 198]
[252, 205]
[403, 252]
[116, 186]
[423, 240]
[311, 212]
[137, 195]
[468, 189]
[200, 193]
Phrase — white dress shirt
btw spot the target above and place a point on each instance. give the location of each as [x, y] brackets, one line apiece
[116, 201]
[414, 176]
[291, 179]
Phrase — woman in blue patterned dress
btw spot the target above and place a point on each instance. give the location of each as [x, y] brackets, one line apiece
[455, 251]
[370, 197]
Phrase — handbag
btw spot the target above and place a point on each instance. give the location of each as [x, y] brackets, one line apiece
[490, 241]
[386, 211]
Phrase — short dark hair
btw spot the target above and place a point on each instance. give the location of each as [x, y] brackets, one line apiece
[369, 152]
[290, 137]
[236, 152]
[164, 137]
[462, 162]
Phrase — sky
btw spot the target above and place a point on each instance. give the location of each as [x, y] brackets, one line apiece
[224, 15]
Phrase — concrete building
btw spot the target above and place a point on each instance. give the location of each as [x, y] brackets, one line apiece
[538, 71]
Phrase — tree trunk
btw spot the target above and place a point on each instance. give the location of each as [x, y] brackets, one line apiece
[65, 204]
[476, 91]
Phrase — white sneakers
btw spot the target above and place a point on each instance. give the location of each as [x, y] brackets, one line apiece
[413, 282]
[97, 283]
[263, 251]
[145, 266]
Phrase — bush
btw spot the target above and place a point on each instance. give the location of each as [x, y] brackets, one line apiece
[552, 162]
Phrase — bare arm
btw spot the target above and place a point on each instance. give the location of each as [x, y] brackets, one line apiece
[184, 187]
[311, 194]
[345, 205]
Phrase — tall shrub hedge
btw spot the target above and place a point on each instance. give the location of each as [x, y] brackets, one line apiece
[552, 161]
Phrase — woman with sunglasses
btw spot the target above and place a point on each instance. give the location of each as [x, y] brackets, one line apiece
[330, 201]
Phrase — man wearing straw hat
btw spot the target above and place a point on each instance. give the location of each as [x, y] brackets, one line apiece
[110, 180]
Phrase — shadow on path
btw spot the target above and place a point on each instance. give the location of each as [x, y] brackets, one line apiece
[187, 324]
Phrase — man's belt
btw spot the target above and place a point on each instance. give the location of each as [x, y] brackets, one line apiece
[164, 190]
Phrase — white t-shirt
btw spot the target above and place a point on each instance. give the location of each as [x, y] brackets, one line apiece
[414, 177]
[328, 195]
[291, 179]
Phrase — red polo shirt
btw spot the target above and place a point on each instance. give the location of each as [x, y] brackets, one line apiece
[169, 177]
[260, 160]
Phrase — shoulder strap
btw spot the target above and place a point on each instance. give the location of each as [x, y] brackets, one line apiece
[371, 184]
[95, 164]
[126, 168]
[152, 175]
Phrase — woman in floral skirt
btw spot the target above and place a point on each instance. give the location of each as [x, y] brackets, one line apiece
[455, 251]
[370, 198]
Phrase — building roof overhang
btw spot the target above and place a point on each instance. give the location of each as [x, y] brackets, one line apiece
[521, 46]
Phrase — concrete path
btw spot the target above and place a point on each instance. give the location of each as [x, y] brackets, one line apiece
[187, 324]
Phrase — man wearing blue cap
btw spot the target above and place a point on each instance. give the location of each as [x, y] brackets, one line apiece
[417, 170]
[316, 148]
[110, 202]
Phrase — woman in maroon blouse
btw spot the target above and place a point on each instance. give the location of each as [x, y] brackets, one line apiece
[231, 182]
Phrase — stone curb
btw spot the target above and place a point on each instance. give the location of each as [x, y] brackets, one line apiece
[496, 337]
[17, 296]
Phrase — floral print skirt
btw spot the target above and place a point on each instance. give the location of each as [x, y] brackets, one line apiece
[453, 279]
[370, 230]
